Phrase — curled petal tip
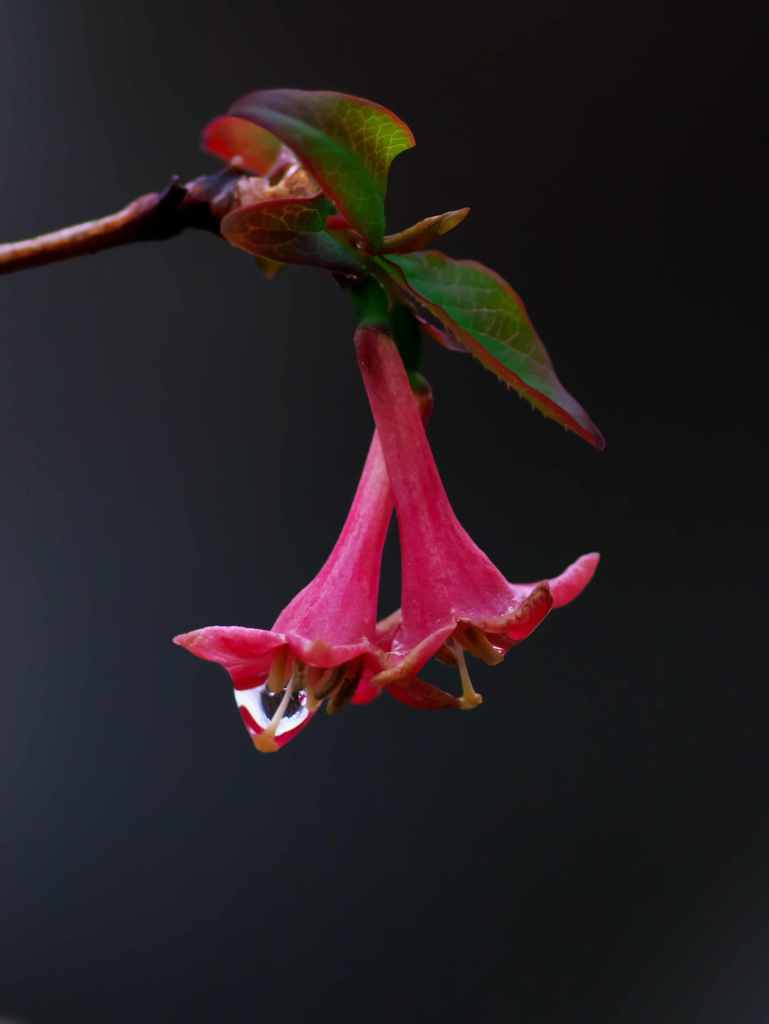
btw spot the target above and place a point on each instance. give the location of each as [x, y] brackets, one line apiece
[588, 564]
[186, 640]
[570, 584]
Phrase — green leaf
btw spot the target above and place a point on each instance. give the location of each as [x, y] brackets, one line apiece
[346, 143]
[424, 232]
[292, 231]
[479, 311]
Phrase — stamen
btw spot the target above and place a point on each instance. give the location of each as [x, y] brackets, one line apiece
[478, 644]
[265, 741]
[276, 680]
[328, 681]
[313, 681]
[470, 697]
[348, 682]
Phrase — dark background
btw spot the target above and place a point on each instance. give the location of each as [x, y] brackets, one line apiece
[180, 442]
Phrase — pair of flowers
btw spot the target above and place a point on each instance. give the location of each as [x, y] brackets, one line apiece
[326, 645]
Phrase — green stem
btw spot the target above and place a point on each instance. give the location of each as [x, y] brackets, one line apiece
[375, 308]
[371, 305]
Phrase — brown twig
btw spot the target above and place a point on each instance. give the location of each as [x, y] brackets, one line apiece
[152, 217]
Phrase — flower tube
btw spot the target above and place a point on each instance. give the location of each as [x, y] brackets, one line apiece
[453, 599]
[323, 642]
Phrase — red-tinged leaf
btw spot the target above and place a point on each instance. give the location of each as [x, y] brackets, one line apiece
[393, 280]
[242, 144]
[347, 143]
[424, 232]
[479, 310]
[416, 693]
[291, 231]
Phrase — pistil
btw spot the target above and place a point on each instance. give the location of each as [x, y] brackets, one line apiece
[265, 741]
[470, 697]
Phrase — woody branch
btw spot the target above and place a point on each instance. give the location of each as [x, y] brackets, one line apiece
[151, 217]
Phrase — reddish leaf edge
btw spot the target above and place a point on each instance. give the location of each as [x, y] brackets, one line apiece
[215, 138]
[355, 264]
[236, 109]
[465, 341]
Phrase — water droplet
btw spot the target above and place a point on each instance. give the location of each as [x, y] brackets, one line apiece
[262, 705]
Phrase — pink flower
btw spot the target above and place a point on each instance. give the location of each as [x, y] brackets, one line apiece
[326, 643]
[322, 644]
[453, 598]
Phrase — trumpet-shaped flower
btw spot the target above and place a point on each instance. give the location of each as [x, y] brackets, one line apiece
[323, 642]
[453, 598]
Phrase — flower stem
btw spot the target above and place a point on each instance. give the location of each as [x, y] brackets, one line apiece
[371, 304]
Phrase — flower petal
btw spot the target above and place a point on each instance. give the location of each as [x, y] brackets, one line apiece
[573, 580]
[245, 653]
[416, 693]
